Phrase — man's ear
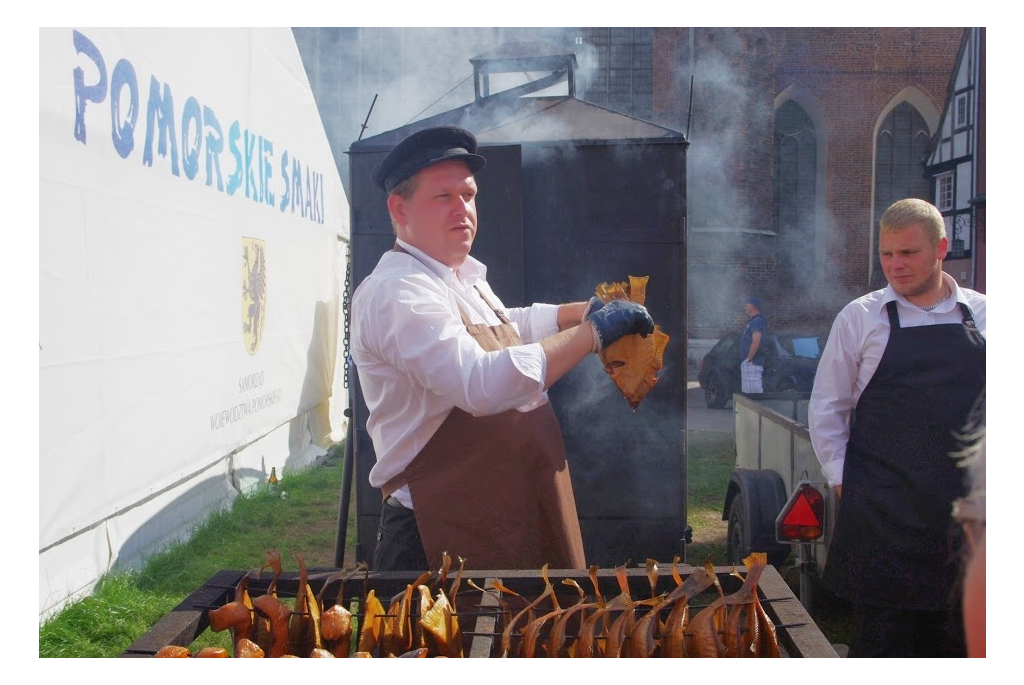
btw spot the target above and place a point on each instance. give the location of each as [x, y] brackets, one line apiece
[396, 208]
[943, 247]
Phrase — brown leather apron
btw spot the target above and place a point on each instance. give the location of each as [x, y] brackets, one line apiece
[495, 490]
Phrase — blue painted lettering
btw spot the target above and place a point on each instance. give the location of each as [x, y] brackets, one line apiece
[191, 137]
[301, 189]
[258, 196]
[296, 185]
[214, 146]
[316, 197]
[160, 114]
[122, 127]
[268, 170]
[251, 190]
[235, 180]
[307, 206]
[83, 93]
[284, 174]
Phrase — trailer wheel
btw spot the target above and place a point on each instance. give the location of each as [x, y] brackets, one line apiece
[734, 541]
[735, 547]
[715, 393]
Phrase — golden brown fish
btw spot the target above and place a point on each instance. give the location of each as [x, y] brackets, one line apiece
[304, 625]
[706, 624]
[528, 646]
[440, 622]
[172, 652]
[397, 631]
[234, 616]
[642, 642]
[767, 643]
[336, 630]
[277, 613]
[372, 628]
[555, 646]
[261, 625]
[586, 644]
[632, 361]
[336, 620]
[506, 635]
[247, 649]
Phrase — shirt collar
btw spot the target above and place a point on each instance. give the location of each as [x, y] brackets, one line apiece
[958, 295]
[470, 273]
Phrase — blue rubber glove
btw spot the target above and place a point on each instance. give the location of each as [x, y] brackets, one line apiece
[592, 306]
[619, 318]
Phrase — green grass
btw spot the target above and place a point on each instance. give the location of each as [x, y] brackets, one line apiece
[105, 623]
[126, 604]
[709, 462]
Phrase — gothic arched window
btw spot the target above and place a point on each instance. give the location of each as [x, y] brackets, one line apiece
[901, 148]
[796, 173]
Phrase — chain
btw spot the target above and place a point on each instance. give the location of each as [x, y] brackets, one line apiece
[345, 306]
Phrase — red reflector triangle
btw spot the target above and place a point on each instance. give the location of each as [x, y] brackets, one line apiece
[801, 514]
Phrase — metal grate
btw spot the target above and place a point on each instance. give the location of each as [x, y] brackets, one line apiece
[482, 617]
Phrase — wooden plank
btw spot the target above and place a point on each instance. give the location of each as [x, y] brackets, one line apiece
[187, 620]
[801, 636]
[483, 642]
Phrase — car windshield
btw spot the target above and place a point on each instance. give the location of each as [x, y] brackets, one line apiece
[807, 347]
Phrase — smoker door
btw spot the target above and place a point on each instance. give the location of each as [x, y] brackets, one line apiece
[498, 244]
[600, 212]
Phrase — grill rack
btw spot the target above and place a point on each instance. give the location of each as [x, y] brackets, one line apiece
[482, 618]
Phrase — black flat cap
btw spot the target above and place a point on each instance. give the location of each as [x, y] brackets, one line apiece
[423, 148]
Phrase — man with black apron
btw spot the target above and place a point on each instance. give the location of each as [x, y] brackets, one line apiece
[902, 368]
[470, 456]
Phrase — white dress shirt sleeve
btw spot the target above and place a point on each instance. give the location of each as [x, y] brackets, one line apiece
[415, 331]
[535, 322]
[834, 396]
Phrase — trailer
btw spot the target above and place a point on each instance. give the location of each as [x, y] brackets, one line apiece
[776, 476]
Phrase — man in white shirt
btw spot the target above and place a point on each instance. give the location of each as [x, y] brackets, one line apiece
[898, 377]
[470, 457]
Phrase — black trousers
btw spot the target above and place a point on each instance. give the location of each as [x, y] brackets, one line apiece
[884, 632]
[399, 547]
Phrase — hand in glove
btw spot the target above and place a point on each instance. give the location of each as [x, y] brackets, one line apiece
[619, 318]
[592, 306]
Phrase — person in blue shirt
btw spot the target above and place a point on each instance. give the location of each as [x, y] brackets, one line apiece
[751, 351]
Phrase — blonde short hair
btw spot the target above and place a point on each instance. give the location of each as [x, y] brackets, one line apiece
[404, 189]
[912, 211]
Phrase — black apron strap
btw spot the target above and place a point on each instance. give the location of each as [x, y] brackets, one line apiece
[894, 317]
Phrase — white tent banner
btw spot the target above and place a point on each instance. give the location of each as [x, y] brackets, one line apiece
[190, 209]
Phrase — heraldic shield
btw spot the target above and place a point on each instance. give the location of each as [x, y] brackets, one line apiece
[254, 292]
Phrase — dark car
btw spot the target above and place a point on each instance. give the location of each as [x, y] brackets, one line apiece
[791, 360]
